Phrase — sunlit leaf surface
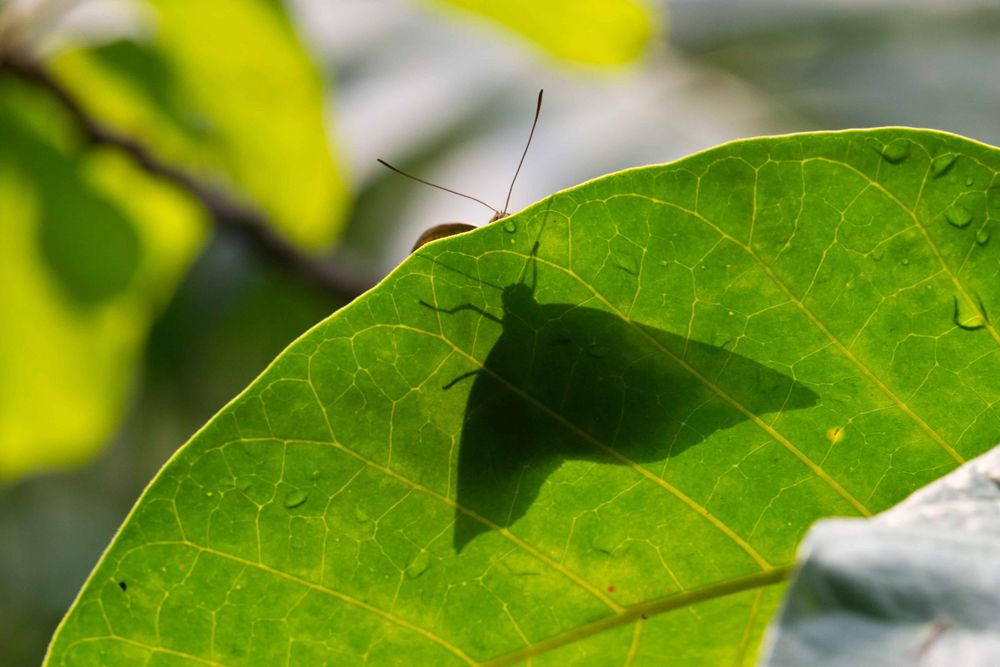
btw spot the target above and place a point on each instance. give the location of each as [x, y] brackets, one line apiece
[92, 249]
[225, 89]
[592, 433]
[591, 32]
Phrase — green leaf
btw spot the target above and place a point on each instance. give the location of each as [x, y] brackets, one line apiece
[250, 117]
[592, 32]
[916, 580]
[92, 249]
[591, 433]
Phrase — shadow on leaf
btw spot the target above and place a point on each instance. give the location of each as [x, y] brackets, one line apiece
[570, 382]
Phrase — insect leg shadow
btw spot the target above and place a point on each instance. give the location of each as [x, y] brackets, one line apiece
[452, 311]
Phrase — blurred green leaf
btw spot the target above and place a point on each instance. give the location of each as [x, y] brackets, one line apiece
[89, 243]
[536, 439]
[590, 32]
[92, 249]
[225, 88]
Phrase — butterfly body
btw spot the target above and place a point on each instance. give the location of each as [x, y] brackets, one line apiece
[441, 231]
[451, 228]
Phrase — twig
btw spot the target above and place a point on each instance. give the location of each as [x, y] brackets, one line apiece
[228, 214]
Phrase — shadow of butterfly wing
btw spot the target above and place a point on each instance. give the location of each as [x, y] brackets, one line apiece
[569, 382]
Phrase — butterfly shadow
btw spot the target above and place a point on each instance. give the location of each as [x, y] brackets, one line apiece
[570, 382]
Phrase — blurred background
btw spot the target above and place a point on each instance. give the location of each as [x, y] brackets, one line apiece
[130, 314]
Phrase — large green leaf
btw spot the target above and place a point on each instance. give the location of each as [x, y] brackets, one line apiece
[224, 88]
[915, 581]
[92, 250]
[541, 437]
[590, 32]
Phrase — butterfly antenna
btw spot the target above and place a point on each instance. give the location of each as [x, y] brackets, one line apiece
[538, 110]
[439, 187]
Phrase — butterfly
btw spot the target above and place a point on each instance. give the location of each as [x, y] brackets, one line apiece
[451, 228]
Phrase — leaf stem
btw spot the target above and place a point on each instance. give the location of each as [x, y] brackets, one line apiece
[338, 280]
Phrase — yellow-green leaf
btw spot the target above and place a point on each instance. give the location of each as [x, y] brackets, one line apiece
[591, 32]
[225, 89]
[92, 249]
[592, 433]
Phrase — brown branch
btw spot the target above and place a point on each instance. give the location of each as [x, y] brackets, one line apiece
[227, 213]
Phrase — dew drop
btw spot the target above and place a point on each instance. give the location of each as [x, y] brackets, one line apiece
[983, 236]
[967, 316]
[360, 515]
[510, 226]
[896, 151]
[627, 264]
[942, 163]
[598, 351]
[958, 216]
[418, 565]
[295, 498]
[906, 261]
[969, 181]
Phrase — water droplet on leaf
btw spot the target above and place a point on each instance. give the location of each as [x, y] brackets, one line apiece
[598, 351]
[627, 264]
[968, 316]
[969, 181]
[983, 236]
[942, 163]
[295, 498]
[958, 216]
[906, 261]
[896, 151]
[418, 565]
[510, 226]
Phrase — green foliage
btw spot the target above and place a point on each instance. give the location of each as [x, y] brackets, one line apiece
[96, 246]
[93, 248]
[588, 32]
[538, 438]
[225, 89]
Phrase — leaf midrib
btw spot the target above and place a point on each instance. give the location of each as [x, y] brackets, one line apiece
[644, 610]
